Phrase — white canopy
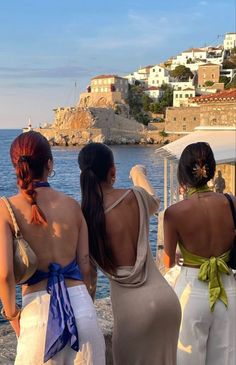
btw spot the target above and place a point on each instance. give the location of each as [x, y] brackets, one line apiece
[222, 142]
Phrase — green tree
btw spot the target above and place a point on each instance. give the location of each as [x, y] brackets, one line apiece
[228, 64]
[182, 73]
[146, 101]
[142, 118]
[231, 84]
[209, 83]
[224, 79]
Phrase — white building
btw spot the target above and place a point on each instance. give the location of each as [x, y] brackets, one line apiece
[154, 92]
[181, 97]
[189, 58]
[141, 75]
[194, 57]
[230, 41]
[158, 76]
[180, 85]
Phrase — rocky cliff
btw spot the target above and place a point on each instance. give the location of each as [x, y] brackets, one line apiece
[83, 124]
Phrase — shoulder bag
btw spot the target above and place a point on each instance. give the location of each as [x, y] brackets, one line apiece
[232, 258]
[25, 261]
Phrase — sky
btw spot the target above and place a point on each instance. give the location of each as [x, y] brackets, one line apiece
[50, 49]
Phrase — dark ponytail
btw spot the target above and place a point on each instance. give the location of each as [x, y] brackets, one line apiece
[95, 160]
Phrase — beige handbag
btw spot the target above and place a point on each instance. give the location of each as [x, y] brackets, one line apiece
[25, 261]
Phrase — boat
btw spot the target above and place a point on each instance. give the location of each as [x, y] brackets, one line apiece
[28, 128]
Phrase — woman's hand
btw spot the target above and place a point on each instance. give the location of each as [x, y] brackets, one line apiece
[137, 169]
[16, 326]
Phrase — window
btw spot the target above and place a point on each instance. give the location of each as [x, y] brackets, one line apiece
[180, 95]
[153, 81]
[184, 127]
[159, 69]
[174, 118]
[153, 70]
[184, 119]
[194, 118]
[213, 75]
[186, 95]
[176, 96]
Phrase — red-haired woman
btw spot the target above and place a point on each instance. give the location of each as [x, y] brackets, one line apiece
[58, 323]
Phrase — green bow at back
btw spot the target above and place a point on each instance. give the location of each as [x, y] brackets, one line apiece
[210, 271]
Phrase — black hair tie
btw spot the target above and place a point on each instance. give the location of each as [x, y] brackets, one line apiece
[24, 158]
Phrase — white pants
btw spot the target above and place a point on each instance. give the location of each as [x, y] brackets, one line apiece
[206, 338]
[33, 325]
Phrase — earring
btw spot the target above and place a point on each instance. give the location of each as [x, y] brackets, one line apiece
[51, 174]
[113, 179]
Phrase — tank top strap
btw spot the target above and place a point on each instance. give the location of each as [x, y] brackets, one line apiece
[117, 201]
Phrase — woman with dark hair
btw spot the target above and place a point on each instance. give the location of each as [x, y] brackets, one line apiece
[57, 323]
[202, 225]
[145, 308]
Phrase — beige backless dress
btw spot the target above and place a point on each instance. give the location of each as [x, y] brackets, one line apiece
[146, 310]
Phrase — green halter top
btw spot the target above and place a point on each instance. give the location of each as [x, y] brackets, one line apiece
[210, 271]
[210, 268]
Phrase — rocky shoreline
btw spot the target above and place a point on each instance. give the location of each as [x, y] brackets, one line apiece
[104, 312]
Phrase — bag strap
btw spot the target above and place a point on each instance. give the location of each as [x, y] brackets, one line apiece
[15, 225]
[230, 200]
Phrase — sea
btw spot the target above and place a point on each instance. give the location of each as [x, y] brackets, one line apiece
[67, 173]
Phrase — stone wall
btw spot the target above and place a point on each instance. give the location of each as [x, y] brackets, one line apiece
[218, 114]
[101, 99]
[182, 119]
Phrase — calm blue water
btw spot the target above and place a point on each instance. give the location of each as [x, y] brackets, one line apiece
[67, 178]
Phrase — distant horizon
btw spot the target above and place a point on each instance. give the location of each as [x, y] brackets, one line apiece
[51, 50]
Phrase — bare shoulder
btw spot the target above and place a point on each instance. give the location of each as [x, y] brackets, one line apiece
[67, 201]
[4, 213]
[3, 209]
[174, 210]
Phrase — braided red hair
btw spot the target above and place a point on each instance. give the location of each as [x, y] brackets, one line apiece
[30, 153]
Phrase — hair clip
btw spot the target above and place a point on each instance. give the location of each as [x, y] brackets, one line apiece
[199, 171]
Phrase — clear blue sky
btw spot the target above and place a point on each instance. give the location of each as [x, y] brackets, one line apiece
[48, 45]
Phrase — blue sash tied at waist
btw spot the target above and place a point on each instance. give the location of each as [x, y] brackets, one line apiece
[61, 326]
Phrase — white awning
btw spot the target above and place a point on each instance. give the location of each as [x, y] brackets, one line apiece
[222, 142]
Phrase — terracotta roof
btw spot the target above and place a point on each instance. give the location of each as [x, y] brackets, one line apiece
[194, 50]
[188, 89]
[209, 64]
[106, 77]
[226, 95]
[149, 66]
[153, 88]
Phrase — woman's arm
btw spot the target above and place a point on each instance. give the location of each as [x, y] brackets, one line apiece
[83, 252]
[139, 178]
[170, 239]
[7, 279]
[138, 175]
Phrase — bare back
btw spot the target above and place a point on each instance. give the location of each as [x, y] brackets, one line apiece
[122, 224]
[65, 236]
[203, 223]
